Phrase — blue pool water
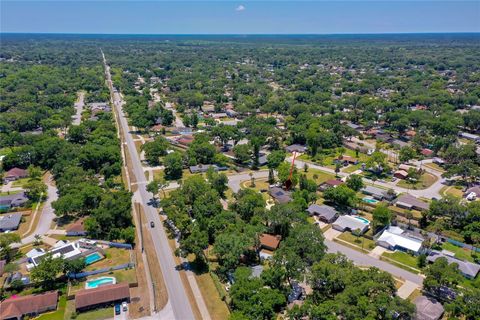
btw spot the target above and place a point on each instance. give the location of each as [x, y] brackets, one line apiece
[92, 258]
[95, 283]
[370, 200]
[362, 219]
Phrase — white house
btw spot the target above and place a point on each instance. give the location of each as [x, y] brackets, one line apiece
[395, 238]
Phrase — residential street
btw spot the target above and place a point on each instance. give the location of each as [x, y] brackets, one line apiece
[432, 192]
[362, 259]
[79, 105]
[47, 214]
[176, 292]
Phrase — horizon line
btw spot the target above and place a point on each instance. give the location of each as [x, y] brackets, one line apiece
[245, 34]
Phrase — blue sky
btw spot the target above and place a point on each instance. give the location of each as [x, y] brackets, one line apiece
[239, 17]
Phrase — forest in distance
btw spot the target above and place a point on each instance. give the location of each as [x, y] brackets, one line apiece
[399, 113]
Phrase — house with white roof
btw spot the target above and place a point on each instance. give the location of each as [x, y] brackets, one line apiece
[351, 223]
[395, 238]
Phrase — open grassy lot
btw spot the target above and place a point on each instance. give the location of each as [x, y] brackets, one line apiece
[216, 307]
[317, 175]
[327, 159]
[425, 181]
[357, 241]
[113, 257]
[455, 191]
[402, 258]
[460, 253]
[9, 193]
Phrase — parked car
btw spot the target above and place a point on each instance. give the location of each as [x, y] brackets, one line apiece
[117, 309]
[124, 306]
[152, 224]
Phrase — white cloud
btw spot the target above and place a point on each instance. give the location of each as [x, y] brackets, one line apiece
[240, 8]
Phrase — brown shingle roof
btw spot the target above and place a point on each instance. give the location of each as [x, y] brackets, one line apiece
[16, 307]
[269, 241]
[77, 226]
[104, 294]
[16, 172]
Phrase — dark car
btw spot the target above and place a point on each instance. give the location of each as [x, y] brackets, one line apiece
[117, 309]
[152, 224]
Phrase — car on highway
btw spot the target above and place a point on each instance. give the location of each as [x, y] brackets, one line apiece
[117, 309]
[124, 306]
[152, 224]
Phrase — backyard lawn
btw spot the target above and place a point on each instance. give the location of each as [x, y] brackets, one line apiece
[460, 253]
[113, 257]
[426, 180]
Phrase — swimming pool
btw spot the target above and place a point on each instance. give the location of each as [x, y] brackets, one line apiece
[362, 219]
[92, 258]
[95, 283]
[369, 200]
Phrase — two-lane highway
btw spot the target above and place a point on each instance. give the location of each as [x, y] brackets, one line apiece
[178, 298]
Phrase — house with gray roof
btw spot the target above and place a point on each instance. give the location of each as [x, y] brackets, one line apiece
[407, 201]
[428, 308]
[377, 193]
[280, 195]
[204, 168]
[468, 269]
[325, 213]
[296, 148]
[10, 221]
[13, 200]
[351, 223]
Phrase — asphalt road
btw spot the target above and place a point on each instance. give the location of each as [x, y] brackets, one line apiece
[361, 259]
[176, 292]
[47, 214]
[77, 118]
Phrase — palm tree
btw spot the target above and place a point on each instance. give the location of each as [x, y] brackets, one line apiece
[409, 216]
[37, 240]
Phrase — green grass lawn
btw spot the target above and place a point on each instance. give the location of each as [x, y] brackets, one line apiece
[9, 193]
[322, 176]
[455, 191]
[460, 253]
[426, 180]
[114, 257]
[98, 314]
[20, 182]
[434, 166]
[349, 237]
[402, 257]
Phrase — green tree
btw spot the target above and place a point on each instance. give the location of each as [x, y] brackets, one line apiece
[35, 189]
[243, 153]
[173, 166]
[275, 158]
[6, 239]
[155, 149]
[406, 154]
[341, 196]
[382, 216]
[74, 266]
[355, 182]
[439, 274]
[284, 173]
[47, 271]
